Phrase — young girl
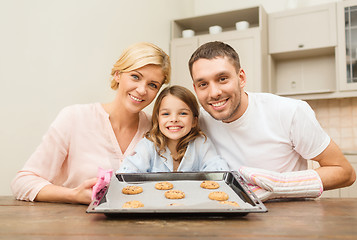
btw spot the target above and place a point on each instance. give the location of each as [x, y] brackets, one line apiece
[175, 142]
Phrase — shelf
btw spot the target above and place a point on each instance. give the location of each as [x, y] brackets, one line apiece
[226, 20]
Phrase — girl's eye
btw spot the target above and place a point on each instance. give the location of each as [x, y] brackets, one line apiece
[184, 113]
[164, 114]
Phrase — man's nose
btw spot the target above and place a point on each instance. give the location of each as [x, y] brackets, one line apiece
[214, 91]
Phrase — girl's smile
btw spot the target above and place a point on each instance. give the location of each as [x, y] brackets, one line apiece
[175, 118]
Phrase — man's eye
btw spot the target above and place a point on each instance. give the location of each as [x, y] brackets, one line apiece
[221, 79]
[202, 85]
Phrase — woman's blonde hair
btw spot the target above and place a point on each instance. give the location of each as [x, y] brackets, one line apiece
[155, 134]
[139, 55]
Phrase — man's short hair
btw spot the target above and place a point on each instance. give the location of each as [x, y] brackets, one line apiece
[215, 49]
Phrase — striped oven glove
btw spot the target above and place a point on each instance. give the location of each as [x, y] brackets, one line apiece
[271, 185]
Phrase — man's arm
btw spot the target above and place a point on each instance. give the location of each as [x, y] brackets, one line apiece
[335, 170]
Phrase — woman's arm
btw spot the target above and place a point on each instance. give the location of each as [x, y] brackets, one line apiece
[81, 194]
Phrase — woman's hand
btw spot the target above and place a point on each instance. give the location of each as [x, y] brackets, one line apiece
[83, 193]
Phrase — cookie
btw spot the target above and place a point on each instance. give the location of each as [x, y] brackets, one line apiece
[133, 204]
[130, 190]
[235, 204]
[174, 194]
[164, 186]
[209, 185]
[219, 196]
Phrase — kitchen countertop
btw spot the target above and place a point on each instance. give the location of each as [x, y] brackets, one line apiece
[312, 219]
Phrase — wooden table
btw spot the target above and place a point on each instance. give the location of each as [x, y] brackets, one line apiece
[315, 219]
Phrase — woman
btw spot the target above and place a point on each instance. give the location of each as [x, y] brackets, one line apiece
[85, 137]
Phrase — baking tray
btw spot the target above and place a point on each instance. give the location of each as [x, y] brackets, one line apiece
[196, 201]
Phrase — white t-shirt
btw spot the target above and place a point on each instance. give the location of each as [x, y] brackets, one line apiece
[275, 133]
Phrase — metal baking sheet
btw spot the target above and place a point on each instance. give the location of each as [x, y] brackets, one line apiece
[196, 198]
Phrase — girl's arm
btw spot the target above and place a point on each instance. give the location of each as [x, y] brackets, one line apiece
[140, 161]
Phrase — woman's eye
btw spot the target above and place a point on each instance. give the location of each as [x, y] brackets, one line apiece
[153, 85]
[136, 77]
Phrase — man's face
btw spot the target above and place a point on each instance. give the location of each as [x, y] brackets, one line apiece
[218, 87]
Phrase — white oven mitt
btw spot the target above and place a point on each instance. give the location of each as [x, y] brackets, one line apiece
[270, 185]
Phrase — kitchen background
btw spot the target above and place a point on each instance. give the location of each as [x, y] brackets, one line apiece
[58, 53]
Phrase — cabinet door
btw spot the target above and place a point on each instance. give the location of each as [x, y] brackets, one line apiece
[347, 40]
[307, 75]
[247, 45]
[301, 29]
[181, 51]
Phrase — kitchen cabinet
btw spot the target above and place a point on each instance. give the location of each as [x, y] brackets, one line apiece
[301, 29]
[302, 50]
[251, 44]
[347, 38]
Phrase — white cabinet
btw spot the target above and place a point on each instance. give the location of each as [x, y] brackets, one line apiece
[301, 29]
[250, 44]
[302, 48]
[347, 39]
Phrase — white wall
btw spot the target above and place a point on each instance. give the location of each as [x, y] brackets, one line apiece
[55, 53]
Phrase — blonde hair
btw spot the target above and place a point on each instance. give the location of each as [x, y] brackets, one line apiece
[139, 55]
[155, 134]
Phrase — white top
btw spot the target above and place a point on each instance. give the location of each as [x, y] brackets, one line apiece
[80, 140]
[200, 155]
[275, 133]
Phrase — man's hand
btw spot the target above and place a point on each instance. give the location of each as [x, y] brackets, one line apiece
[270, 185]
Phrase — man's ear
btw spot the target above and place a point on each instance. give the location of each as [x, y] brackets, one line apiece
[242, 77]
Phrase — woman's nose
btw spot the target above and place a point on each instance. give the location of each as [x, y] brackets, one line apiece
[142, 89]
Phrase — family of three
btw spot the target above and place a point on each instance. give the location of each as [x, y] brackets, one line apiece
[267, 138]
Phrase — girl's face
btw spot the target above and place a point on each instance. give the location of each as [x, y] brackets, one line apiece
[139, 87]
[175, 119]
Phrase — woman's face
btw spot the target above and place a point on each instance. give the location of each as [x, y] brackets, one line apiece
[139, 87]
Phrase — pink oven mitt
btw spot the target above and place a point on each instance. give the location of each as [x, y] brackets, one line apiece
[271, 185]
[101, 186]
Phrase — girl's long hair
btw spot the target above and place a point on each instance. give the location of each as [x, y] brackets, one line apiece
[155, 134]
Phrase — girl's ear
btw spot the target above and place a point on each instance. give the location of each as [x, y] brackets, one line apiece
[194, 122]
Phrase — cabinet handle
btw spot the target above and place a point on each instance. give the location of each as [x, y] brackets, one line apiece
[293, 84]
[301, 45]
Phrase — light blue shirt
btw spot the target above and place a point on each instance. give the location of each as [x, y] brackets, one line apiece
[200, 156]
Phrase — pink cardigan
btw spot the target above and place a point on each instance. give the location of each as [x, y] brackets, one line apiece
[80, 140]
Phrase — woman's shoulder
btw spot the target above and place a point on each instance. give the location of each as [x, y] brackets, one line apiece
[79, 112]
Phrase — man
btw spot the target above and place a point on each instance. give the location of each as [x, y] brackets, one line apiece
[266, 137]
